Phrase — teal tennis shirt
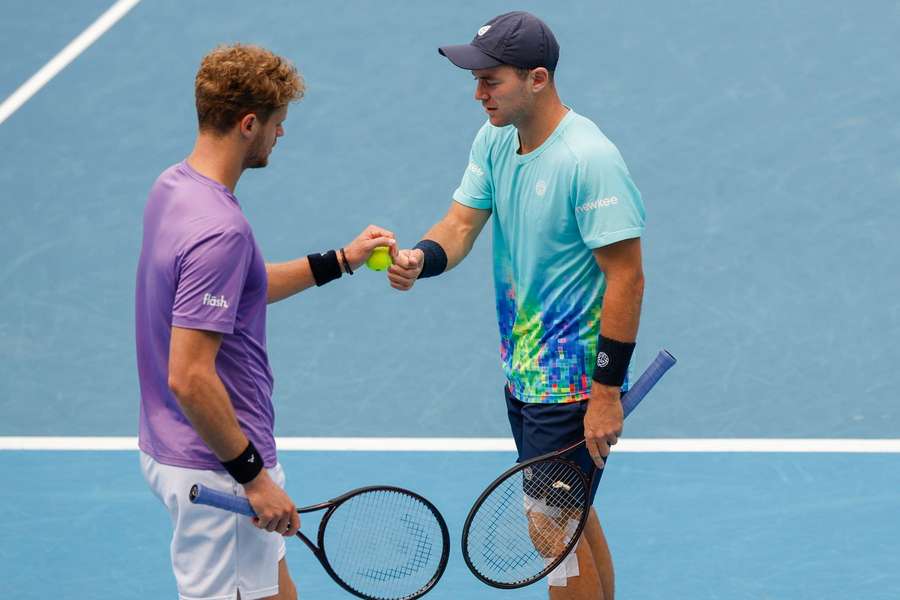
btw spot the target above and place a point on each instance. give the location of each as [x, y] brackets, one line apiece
[551, 208]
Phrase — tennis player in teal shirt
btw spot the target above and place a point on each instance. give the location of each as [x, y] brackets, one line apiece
[567, 222]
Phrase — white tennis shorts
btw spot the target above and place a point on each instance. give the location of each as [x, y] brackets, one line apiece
[215, 553]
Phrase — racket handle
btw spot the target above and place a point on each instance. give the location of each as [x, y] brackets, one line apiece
[662, 363]
[235, 504]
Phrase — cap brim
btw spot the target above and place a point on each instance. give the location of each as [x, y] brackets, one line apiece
[469, 57]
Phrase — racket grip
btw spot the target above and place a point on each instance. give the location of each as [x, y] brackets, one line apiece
[230, 502]
[662, 363]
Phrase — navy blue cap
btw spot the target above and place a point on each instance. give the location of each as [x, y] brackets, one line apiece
[518, 39]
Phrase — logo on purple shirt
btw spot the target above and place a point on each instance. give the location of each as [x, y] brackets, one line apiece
[217, 301]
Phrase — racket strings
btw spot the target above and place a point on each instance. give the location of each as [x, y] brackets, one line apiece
[419, 554]
[384, 544]
[527, 522]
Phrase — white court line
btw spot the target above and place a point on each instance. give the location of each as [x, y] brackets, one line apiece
[66, 55]
[409, 444]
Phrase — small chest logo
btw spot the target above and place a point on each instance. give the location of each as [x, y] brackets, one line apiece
[216, 301]
[540, 188]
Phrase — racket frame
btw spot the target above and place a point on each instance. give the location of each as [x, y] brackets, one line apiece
[648, 379]
[330, 506]
[551, 457]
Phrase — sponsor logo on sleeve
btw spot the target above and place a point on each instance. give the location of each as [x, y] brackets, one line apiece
[598, 203]
[475, 169]
[215, 301]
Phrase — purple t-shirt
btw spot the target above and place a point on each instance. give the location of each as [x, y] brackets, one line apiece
[200, 268]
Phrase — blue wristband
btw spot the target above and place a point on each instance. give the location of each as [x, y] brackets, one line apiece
[613, 358]
[435, 258]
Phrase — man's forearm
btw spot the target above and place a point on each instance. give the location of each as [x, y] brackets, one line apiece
[288, 278]
[205, 402]
[622, 307]
[456, 235]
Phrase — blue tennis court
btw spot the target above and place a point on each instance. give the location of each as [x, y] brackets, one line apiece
[766, 465]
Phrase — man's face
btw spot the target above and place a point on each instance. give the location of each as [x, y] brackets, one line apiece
[266, 136]
[503, 94]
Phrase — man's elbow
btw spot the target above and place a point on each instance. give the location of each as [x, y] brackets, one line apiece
[184, 385]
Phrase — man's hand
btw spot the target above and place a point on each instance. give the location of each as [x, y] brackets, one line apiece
[274, 509]
[406, 268]
[603, 421]
[359, 250]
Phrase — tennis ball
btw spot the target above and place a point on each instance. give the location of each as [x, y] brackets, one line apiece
[380, 259]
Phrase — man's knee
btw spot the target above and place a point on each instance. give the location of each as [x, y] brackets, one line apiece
[582, 583]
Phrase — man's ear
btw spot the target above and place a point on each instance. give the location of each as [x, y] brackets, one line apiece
[248, 125]
[540, 78]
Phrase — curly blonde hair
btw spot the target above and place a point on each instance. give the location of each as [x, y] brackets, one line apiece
[234, 81]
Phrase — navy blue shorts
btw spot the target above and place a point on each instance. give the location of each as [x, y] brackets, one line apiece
[542, 428]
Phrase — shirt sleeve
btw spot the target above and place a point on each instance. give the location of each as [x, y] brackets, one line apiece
[211, 278]
[475, 189]
[608, 206]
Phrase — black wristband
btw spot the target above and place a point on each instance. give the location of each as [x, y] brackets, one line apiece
[346, 263]
[325, 267]
[613, 357]
[435, 258]
[246, 466]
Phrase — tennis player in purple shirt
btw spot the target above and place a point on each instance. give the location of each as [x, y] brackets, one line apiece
[200, 315]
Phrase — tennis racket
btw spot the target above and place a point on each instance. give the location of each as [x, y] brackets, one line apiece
[378, 543]
[528, 520]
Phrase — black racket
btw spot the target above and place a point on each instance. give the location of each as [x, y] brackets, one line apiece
[378, 543]
[528, 520]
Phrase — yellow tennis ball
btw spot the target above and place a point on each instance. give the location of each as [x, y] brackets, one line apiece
[380, 259]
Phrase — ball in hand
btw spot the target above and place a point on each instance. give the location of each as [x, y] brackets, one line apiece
[380, 259]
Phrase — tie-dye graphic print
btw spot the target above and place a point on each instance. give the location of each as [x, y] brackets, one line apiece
[547, 354]
[547, 348]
